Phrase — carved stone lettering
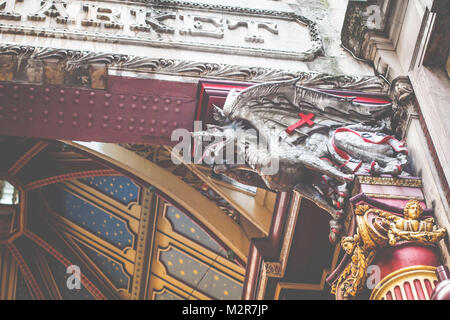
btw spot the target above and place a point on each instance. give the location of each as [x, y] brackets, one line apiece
[7, 7]
[147, 20]
[55, 9]
[179, 25]
[253, 27]
[97, 16]
[202, 26]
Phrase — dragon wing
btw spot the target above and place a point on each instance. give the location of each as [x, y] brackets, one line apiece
[276, 105]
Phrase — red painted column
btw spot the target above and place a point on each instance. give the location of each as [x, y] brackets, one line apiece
[407, 270]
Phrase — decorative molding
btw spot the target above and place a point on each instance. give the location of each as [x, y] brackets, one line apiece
[69, 176]
[393, 196]
[273, 269]
[391, 181]
[26, 272]
[150, 17]
[75, 59]
[23, 160]
[47, 276]
[44, 245]
[8, 275]
[378, 229]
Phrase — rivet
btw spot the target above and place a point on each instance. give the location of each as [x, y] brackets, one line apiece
[153, 121]
[62, 91]
[122, 97]
[77, 92]
[45, 120]
[61, 99]
[177, 110]
[163, 130]
[31, 97]
[75, 115]
[130, 128]
[89, 124]
[45, 112]
[166, 109]
[74, 123]
[30, 118]
[155, 108]
[131, 120]
[141, 129]
[77, 101]
[133, 106]
[164, 122]
[16, 88]
[142, 121]
[121, 105]
[104, 126]
[60, 122]
[179, 101]
[30, 110]
[105, 118]
[106, 104]
[14, 118]
[152, 130]
[156, 99]
[107, 95]
[134, 98]
[46, 98]
[119, 127]
[145, 99]
[91, 102]
[90, 115]
[15, 109]
[168, 100]
[175, 124]
[144, 107]
[47, 90]
[119, 119]
[92, 93]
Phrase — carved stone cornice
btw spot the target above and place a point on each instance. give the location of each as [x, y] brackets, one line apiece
[75, 62]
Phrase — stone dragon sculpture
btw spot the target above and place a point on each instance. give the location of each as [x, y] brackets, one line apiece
[317, 156]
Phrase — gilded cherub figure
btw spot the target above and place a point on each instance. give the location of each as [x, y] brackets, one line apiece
[412, 227]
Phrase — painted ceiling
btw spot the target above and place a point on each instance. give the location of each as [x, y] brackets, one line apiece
[127, 241]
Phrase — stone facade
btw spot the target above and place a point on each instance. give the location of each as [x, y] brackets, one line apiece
[409, 47]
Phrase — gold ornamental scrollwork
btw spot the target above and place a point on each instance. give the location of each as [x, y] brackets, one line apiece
[377, 229]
